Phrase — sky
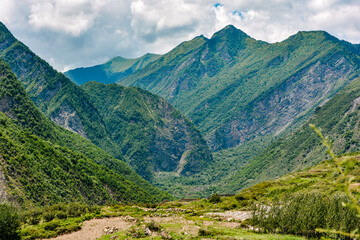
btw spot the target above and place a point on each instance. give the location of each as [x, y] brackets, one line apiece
[75, 33]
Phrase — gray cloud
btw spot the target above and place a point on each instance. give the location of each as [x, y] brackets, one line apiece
[73, 33]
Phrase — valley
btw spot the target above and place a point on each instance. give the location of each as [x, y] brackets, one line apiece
[211, 140]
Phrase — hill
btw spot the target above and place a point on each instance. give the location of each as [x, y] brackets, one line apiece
[150, 132]
[236, 89]
[338, 119]
[38, 167]
[111, 71]
[54, 94]
[70, 106]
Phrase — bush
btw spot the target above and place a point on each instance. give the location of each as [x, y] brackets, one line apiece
[49, 216]
[303, 213]
[61, 215]
[205, 233]
[9, 222]
[215, 198]
[153, 226]
[51, 226]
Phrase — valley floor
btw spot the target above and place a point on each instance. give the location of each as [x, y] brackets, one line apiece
[170, 223]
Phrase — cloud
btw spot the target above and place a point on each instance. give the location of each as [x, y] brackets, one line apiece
[165, 19]
[70, 16]
[73, 33]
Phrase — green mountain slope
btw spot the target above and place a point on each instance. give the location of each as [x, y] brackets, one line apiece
[320, 178]
[150, 132]
[236, 89]
[41, 170]
[69, 106]
[338, 119]
[54, 94]
[111, 71]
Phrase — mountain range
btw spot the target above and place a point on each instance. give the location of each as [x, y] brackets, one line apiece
[251, 100]
[248, 97]
[236, 89]
[71, 107]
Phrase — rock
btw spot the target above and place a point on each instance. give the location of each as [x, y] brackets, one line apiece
[114, 237]
[130, 219]
[230, 219]
[110, 230]
[147, 232]
[165, 235]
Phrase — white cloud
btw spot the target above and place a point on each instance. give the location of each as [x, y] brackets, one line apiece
[70, 16]
[74, 33]
[7, 8]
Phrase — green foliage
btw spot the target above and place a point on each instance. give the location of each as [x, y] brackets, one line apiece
[304, 213]
[215, 198]
[9, 222]
[65, 218]
[213, 175]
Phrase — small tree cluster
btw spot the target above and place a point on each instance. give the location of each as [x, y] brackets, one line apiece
[305, 213]
[9, 222]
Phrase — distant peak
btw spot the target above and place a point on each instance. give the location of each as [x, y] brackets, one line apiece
[314, 35]
[229, 31]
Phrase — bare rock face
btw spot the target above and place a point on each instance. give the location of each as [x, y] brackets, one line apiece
[283, 106]
[3, 194]
[67, 117]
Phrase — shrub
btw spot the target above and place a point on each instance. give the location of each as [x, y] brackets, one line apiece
[61, 215]
[215, 198]
[205, 233]
[303, 213]
[51, 226]
[153, 226]
[9, 222]
[49, 216]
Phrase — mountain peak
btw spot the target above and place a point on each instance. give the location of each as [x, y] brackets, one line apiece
[229, 31]
[312, 36]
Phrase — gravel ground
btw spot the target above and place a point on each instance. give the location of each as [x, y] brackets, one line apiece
[94, 229]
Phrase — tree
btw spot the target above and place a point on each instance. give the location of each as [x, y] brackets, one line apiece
[9, 222]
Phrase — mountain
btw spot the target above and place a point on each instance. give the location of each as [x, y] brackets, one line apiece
[42, 163]
[71, 107]
[150, 132]
[111, 71]
[54, 94]
[338, 119]
[236, 89]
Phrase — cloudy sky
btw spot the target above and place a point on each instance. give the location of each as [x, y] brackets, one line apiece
[73, 33]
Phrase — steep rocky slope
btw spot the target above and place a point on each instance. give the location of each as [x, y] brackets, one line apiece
[111, 71]
[41, 163]
[54, 94]
[338, 119]
[236, 89]
[150, 132]
[70, 107]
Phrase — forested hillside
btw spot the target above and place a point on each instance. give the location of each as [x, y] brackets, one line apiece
[235, 88]
[152, 135]
[42, 163]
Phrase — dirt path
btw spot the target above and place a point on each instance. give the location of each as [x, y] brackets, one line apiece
[94, 229]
